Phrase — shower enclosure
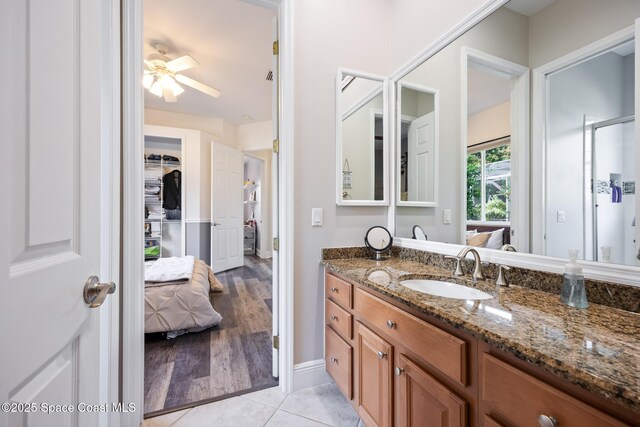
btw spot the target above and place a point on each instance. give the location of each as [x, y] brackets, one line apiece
[609, 226]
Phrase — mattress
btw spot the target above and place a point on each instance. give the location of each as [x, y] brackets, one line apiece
[181, 305]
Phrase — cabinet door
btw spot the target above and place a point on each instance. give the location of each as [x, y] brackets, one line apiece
[423, 401]
[374, 384]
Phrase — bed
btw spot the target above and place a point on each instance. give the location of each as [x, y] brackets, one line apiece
[180, 303]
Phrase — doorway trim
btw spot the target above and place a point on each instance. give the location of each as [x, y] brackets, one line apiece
[131, 323]
[539, 123]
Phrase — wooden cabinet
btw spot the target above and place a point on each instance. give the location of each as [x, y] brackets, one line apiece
[374, 384]
[518, 398]
[424, 401]
[339, 362]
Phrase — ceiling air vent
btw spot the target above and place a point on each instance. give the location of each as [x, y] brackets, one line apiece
[270, 75]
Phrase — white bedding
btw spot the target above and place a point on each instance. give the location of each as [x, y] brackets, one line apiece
[182, 306]
[170, 269]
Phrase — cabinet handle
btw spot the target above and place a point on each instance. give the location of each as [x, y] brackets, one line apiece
[399, 370]
[333, 359]
[381, 355]
[334, 289]
[334, 317]
[391, 324]
[547, 421]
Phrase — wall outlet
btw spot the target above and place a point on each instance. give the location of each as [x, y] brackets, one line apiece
[561, 216]
[446, 216]
[316, 217]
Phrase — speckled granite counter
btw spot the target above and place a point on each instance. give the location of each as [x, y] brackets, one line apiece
[597, 349]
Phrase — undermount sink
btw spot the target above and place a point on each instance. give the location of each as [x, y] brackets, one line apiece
[445, 289]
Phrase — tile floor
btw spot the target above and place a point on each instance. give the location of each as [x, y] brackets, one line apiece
[314, 407]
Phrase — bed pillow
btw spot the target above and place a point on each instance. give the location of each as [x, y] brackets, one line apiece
[495, 240]
[479, 240]
[215, 284]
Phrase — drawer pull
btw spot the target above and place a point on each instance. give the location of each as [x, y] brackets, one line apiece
[334, 290]
[381, 355]
[333, 359]
[399, 371]
[334, 317]
[391, 324]
[547, 421]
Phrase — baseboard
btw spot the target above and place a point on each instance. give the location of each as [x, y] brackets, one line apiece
[310, 374]
[263, 254]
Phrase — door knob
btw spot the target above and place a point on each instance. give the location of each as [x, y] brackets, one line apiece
[95, 292]
[381, 355]
[399, 370]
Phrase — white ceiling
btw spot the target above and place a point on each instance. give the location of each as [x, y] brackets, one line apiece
[485, 90]
[232, 41]
[528, 7]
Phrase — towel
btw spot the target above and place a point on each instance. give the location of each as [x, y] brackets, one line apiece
[170, 269]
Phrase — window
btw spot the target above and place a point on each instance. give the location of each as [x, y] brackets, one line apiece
[489, 183]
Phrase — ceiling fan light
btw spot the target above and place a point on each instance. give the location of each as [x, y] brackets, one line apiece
[167, 81]
[147, 81]
[176, 89]
[156, 89]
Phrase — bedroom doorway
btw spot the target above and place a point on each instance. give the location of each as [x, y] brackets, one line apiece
[209, 331]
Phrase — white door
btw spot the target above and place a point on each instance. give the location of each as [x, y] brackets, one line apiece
[275, 294]
[51, 115]
[227, 213]
[420, 158]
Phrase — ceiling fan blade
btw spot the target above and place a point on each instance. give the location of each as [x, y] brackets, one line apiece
[198, 86]
[149, 64]
[183, 63]
[168, 95]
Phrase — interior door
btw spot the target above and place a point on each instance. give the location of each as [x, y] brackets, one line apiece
[51, 115]
[420, 158]
[275, 116]
[227, 215]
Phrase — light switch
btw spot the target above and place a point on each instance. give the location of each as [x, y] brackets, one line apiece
[316, 217]
[446, 216]
[561, 216]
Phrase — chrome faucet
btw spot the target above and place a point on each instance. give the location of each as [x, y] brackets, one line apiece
[477, 263]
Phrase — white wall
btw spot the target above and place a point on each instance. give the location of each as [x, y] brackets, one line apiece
[329, 34]
[489, 124]
[255, 136]
[222, 129]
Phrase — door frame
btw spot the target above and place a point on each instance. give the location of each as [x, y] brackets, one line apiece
[132, 336]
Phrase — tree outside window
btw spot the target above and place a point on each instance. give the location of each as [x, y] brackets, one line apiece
[489, 184]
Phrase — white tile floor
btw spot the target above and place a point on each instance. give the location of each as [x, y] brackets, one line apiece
[313, 407]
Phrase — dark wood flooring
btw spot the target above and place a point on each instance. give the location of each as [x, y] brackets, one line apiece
[228, 359]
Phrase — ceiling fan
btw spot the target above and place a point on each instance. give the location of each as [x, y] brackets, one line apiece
[161, 78]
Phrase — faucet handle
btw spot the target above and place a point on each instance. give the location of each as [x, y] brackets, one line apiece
[501, 280]
[458, 271]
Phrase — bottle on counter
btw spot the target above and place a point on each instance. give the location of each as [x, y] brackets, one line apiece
[573, 293]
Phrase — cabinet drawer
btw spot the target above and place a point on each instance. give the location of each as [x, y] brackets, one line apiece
[339, 361]
[520, 399]
[441, 349]
[339, 319]
[339, 291]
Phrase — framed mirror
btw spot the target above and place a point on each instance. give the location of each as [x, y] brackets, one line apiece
[361, 139]
[417, 148]
[538, 145]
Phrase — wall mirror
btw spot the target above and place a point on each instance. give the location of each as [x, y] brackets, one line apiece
[537, 144]
[361, 139]
[417, 148]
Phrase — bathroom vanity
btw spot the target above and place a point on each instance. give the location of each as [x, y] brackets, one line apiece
[521, 358]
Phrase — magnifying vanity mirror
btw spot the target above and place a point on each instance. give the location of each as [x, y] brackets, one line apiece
[361, 139]
[534, 142]
[379, 240]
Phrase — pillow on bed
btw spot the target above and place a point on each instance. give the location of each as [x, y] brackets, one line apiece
[215, 284]
[495, 240]
[479, 240]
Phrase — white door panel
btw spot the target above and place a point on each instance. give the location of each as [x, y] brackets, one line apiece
[226, 208]
[275, 125]
[421, 158]
[51, 125]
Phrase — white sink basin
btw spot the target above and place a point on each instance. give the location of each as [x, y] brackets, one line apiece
[445, 289]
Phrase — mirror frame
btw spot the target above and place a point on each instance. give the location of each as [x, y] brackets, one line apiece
[616, 273]
[398, 130]
[385, 131]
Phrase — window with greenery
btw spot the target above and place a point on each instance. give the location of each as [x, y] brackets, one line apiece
[489, 184]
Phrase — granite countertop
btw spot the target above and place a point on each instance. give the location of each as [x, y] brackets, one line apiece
[597, 349]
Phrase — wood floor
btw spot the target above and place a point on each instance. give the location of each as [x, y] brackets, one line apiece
[233, 357]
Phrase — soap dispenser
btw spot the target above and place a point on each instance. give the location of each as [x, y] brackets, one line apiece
[573, 293]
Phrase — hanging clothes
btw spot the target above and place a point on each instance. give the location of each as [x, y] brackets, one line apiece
[172, 187]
